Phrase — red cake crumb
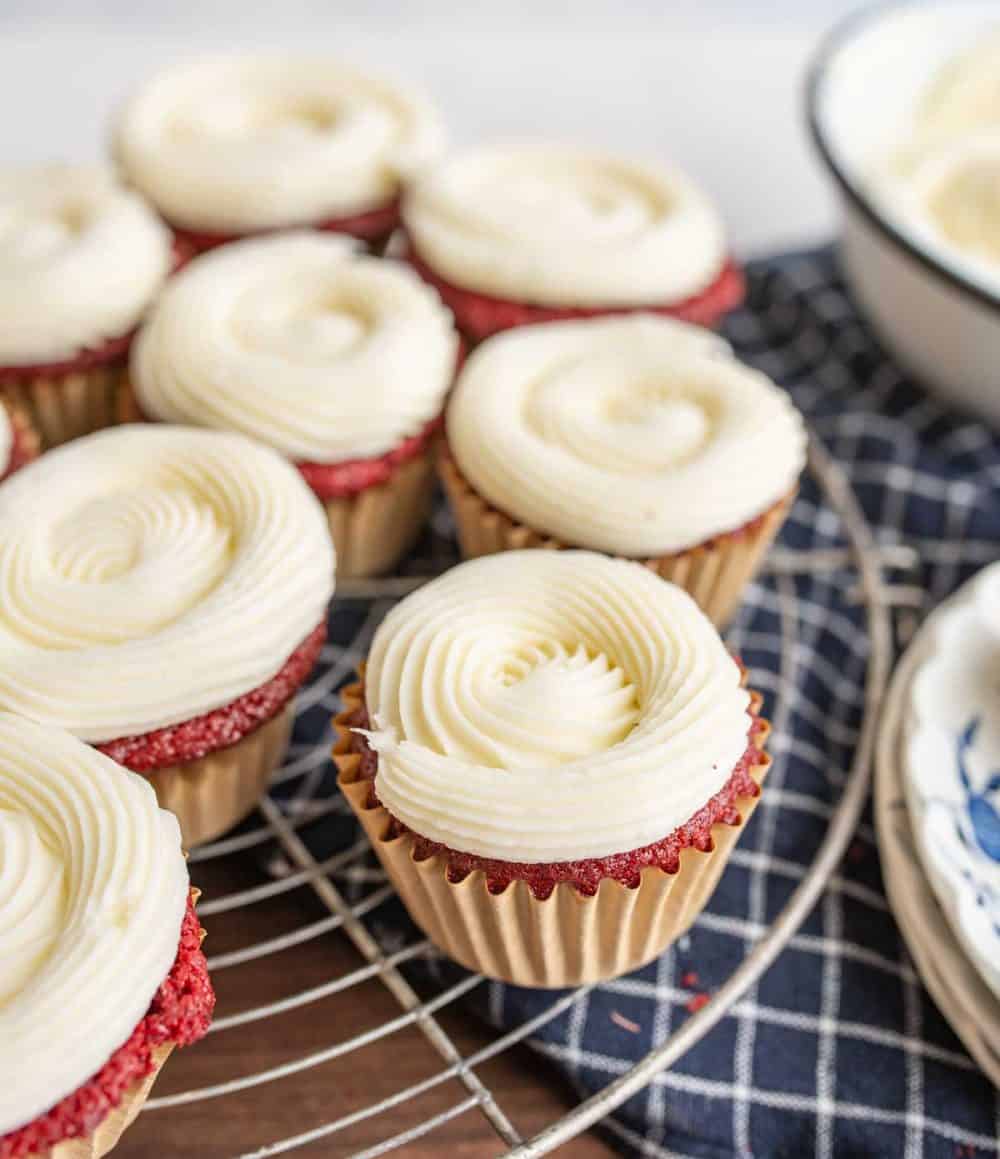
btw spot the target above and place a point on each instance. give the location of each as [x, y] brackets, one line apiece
[23, 448]
[480, 315]
[180, 1013]
[192, 739]
[697, 1002]
[351, 476]
[587, 874]
[373, 226]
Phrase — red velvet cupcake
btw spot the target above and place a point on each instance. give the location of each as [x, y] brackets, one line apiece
[639, 436]
[83, 257]
[99, 924]
[338, 360]
[511, 236]
[176, 601]
[227, 147]
[552, 754]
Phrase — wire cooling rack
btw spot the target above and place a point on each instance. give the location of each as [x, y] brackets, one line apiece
[335, 1020]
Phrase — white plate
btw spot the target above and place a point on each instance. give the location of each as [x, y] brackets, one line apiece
[954, 981]
[952, 765]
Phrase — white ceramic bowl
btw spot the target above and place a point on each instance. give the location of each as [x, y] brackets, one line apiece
[941, 325]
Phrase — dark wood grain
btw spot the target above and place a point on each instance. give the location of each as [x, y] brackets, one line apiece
[528, 1091]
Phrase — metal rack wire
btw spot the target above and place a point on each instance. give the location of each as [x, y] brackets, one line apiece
[277, 835]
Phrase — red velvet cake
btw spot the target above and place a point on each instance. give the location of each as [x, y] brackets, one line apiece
[179, 1015]
[586, 875]
[479, 315]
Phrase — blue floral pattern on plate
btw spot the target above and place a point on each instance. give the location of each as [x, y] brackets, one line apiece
[952, 767]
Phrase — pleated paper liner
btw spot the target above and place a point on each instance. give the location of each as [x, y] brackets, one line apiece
[27, 441]
[211, 795]
[374, 529]
[65, 406]
[110, 1129]
[569, 939]
[714, 573]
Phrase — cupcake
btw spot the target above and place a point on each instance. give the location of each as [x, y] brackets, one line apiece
[233, 145]
[641, 437]
[101, 969]
[515, 235]
[18, 439]
[553, 754]
[164, 595]
[338, 360]
[80, 260]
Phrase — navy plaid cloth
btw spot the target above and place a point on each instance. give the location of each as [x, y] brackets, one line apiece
[838, 1051]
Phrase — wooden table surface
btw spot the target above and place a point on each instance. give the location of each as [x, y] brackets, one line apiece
[529, 1092]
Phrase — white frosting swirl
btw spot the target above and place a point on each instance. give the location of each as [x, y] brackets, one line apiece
[300, 341]
[561, 227]
[548, 706]
[6, 440]
[239, 143]
[639, 436]
[80, 259]
[149, 574]
[93, 889]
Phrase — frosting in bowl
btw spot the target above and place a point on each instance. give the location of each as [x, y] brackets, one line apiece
[639, 436]
[241, 143]
[93, 890]
[562, 227]
[540, 706]
[940, 179]
[149, 574]
[300, 341]
[81, 257]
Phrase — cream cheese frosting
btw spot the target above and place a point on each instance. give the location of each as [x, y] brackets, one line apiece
[556, 226]
[247, 142]
[81, 257]
[93, 890]
[149, 574]
[548, 706]
[941, 179]
[300, 341]
[6, 440]
[639, 436]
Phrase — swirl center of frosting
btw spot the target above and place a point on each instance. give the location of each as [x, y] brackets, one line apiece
[294, 322]
[547, 706]
[32, 901]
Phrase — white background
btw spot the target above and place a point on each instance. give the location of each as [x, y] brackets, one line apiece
[716, 86]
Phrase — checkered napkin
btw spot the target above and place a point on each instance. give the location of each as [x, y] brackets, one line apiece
[838, 1050]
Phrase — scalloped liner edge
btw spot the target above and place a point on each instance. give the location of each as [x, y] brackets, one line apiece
[568, 939]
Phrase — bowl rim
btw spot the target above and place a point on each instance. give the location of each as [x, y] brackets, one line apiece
[832, 43]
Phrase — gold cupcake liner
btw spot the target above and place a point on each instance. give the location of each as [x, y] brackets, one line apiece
[25, 435]
[714, 573]
[65, 406]
[374, 529]
[107, 1133]
[212, 794]
[569, 939]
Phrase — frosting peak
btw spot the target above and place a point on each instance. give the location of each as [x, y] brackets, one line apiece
[638, 436]
[233, 144]
[149, 574]
[556, 226]
[300, 341]
[80, 259]
[93, 889]
[549, 706]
